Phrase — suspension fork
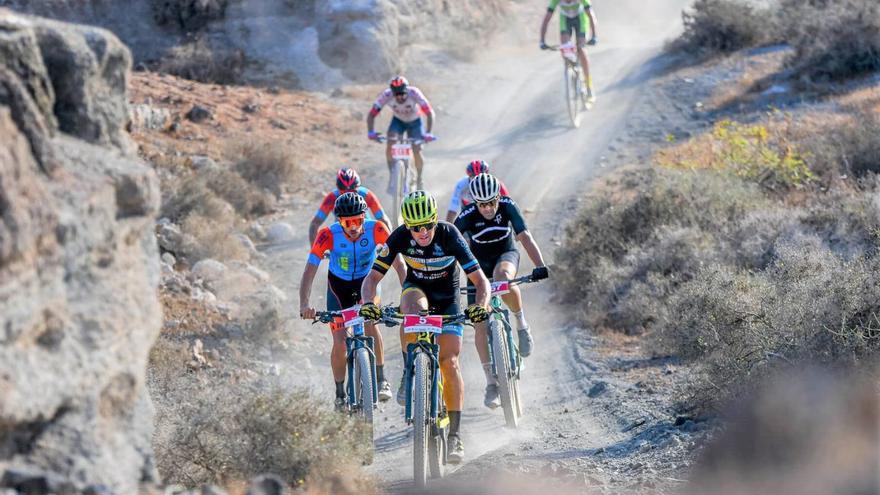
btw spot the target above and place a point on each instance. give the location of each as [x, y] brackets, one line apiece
[433, 351]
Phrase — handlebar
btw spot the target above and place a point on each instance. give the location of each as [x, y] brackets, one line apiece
[391, 316]
[398, 140]
[525, 279]
[326, 316]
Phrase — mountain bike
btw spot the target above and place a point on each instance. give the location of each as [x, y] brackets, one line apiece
[361, 388]
[507, 364]
[573, 80]
[425, 409]
[403, 174]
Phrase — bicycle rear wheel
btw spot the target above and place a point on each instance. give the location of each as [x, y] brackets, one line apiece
[502, 373]
[572, 98]
[421, 391]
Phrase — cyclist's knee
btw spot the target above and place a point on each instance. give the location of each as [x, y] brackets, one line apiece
[449, 362]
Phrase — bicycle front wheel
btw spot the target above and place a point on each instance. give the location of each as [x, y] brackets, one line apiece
[572, 98]
[364, 386]
[420, 407]
[502, 373]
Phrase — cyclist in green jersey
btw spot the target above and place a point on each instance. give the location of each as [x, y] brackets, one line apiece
[573, 16]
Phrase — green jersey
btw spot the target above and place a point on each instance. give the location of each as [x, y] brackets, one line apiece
[570, 8]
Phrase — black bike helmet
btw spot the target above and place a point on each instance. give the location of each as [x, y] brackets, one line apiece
[349, 204]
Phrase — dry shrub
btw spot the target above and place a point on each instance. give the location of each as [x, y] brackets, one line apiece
[849, 147]
[212, 237]
[832, 39]
[763, 153]
[723, 26]
[188, 15]
[218, 425]
[198, 61]
[206, 191]
[269, 165]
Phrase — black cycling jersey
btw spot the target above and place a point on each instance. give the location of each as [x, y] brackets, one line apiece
[492, 237]
[431, 267]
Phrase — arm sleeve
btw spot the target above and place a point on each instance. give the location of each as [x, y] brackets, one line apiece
[380, 102]
[516, 217]
[326, 206]
[462, 252]
[386, 256]
[380, 233]
[423, 102]
[455, 201]
[323, 243]
[504, 191]
[374, 205]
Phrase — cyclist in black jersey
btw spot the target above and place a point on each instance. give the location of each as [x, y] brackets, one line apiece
[432, 251]
[491, 223]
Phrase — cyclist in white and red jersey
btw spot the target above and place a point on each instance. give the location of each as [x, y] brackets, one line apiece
[408, 105]
[461, 195]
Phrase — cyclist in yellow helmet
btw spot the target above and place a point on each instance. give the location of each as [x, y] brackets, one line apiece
[432, 250]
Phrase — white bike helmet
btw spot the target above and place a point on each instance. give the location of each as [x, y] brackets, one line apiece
[485, 188]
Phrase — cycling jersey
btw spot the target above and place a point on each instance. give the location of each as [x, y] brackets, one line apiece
[349, 260]
[371, 199]
[409, 110]
[461, 195]
[431, 267]
[570, 8]
[491, 237]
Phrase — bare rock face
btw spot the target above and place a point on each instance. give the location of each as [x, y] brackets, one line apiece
[79, 264]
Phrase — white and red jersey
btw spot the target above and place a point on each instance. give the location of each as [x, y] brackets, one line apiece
[409, 110]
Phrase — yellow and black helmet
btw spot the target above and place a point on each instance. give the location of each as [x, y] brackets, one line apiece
[419, 208]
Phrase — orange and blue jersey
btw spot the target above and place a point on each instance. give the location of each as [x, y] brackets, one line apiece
[349, 259]
[330, 201]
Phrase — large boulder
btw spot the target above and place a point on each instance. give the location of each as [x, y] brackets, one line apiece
[79, 263]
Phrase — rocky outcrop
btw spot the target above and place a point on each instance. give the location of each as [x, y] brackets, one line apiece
[78, 265]
[367, 39]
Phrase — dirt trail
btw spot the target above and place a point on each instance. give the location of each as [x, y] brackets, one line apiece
[507, 107]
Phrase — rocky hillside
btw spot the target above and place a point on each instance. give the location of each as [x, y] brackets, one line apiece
[307, 43]
[78, 264]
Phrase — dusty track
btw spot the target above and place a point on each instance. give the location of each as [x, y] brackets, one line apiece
[507, 107]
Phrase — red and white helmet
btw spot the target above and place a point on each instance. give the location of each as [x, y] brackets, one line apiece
[347, 179]
[398, 85]
[477, 167]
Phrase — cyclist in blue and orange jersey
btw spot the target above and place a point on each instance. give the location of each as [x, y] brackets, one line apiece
[573, 16]
[347, 179]
[491, 224]
[433, 251]
[351, 242]
[408, 104]
[461, 195]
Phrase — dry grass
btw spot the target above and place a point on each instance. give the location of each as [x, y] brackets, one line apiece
[269, 165]
[198, 61]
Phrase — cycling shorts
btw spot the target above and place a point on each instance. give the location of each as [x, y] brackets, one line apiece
[413, 129]
[439, 304]
[577, 24]
[488, 267]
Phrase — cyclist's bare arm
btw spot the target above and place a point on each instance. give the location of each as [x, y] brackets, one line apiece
[371, 121]
[313, 228]
[544, 25]
[368, 287]
[305, 290]
[591, 13]
[482, 284]
[531, 247]
[400, 268]
[429, 121]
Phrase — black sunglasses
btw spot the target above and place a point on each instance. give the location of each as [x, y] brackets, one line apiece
[487, 204]
[418, 228]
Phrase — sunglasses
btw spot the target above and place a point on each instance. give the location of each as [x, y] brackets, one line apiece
[426, 226]
[351, 222]
[487, 204]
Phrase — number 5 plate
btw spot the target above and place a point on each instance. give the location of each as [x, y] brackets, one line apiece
[422, 324]
[350, 317]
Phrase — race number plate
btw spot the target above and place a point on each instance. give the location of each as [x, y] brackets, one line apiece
[422, 324]
[569, 51]
[350, 317]
[500, 288]
[401, 151]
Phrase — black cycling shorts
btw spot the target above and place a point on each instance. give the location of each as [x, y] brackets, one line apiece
[440, 304]
[488, 267]
[341, 293]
